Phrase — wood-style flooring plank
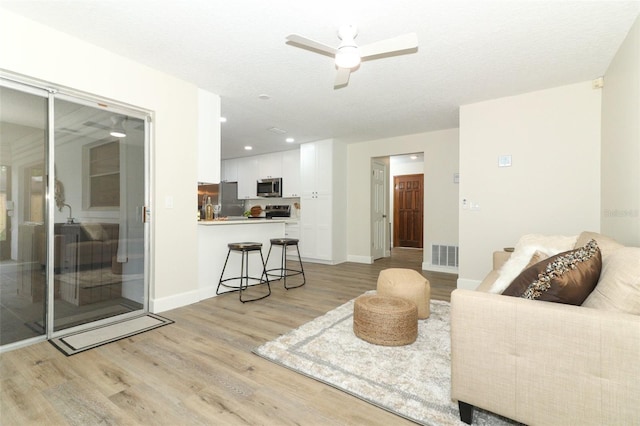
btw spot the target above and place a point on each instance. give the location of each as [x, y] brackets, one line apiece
[200, 370]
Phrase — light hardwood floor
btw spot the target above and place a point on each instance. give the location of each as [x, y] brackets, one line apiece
[200, 370]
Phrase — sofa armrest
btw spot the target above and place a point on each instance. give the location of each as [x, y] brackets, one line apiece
[500, 258]
[542, 362]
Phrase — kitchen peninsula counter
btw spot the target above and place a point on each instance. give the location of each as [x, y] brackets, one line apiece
[241, 222]
[213, 237]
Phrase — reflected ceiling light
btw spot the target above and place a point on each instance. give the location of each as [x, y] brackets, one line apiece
[289, 140]
[223, 119]
[117, 127]
[414, 157]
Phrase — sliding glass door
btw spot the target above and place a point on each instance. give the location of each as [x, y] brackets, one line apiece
[23, 281]
[99, 199]
[73, 239]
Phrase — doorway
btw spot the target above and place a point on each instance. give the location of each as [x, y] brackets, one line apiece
[408, 205]
[74, 242]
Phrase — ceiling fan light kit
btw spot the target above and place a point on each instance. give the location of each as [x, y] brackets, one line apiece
[348, 55]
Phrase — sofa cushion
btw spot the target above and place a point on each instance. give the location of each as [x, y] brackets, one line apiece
[525, 248]
[568, 277]
[95, 231]
[607, 244]
[619, 285]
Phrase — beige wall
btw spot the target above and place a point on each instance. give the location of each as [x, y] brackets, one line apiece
[553, 185]
[440, 163]
[41, 53]
[621, 143]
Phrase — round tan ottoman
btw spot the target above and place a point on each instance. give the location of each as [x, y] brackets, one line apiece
[384, 320]
[406, 284]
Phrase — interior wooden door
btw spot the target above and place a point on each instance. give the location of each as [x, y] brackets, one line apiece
[408, 210]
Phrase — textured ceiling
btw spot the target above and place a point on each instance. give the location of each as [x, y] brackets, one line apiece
[468, 52]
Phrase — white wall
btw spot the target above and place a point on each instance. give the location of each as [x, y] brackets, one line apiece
[42, 53]
[553, 186]
[621, 143]
[440, 162]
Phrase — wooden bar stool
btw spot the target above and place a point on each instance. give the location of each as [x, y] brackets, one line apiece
[283, 271]
[244, 249]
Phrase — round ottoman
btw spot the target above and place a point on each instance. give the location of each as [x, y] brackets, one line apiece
[384, 320]
[406, 284]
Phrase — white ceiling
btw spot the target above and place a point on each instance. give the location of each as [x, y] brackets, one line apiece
[469, 51]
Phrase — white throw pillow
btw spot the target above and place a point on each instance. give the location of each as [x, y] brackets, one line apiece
[525, 248]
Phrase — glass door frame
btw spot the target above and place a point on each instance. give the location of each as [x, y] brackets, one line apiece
[90, 101]
[51, 93]
[40, 91]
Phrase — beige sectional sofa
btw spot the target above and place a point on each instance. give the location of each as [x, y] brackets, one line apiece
[544, 363]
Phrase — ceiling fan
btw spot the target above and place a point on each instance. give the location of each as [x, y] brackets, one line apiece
[348, 54]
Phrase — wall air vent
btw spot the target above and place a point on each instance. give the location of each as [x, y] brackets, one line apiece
[443, 255]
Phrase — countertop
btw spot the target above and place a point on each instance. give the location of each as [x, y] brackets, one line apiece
[245, 221]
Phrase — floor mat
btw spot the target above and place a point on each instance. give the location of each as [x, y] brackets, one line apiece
[72, 344]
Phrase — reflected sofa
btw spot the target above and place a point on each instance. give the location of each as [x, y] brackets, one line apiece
[81, 245]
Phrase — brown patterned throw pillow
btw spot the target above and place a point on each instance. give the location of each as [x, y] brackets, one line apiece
[567, 277]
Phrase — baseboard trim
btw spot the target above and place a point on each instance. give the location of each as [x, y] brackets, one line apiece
[360, 259]
[435, 268]
[468, 284]
[172, 302]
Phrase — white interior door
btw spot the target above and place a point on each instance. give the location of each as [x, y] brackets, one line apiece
[378, 211]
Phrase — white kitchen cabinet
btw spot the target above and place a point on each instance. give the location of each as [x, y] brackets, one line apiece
[208, 137]
[323, 201]
[292, 230]
[270, 165]
[230, 170]
[247, 177]
[291, 174]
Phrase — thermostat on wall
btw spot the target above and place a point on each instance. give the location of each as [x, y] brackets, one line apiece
[504, 161]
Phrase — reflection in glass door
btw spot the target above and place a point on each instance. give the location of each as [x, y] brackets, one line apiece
[98, 227]
[72, 233]
[23, 237]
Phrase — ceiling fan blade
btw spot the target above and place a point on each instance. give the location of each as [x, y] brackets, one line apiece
[395, 44]
[342, 77]
[305, 42]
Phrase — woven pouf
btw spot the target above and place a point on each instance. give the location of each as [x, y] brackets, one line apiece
[406, 284]
[384, 320]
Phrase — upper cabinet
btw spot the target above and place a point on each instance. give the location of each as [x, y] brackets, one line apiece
[247, 177]
[247, 170]
[230, 170]
[270, 165]
[208, 137]
[291, 173]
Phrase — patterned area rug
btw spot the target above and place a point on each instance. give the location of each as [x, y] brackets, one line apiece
[411, 381]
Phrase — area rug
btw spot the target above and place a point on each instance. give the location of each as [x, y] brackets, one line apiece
[74, 343]
[412, 381]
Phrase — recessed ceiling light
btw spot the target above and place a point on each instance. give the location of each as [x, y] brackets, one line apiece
[290, 140]
[248, 148]
[264, 97]
[223, 119]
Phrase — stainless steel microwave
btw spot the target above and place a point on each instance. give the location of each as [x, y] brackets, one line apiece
[271, 187]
